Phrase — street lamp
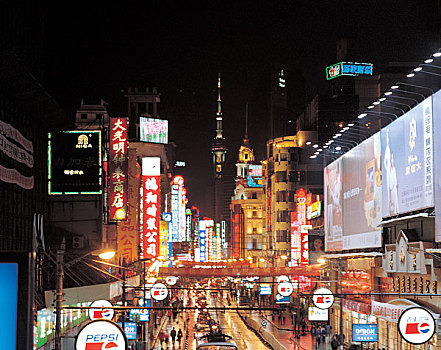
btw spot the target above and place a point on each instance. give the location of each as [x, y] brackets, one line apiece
[339, 279]
[59, 286]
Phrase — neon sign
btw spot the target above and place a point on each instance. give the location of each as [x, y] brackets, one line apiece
[118, 170]
[348, 68]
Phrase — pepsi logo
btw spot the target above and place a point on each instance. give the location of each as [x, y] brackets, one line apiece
[101, 313]
[416, 325]
[323, 298]
[101, 335]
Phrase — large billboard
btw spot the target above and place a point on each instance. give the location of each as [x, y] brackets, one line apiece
[437, 162]
[407, 157]
[362, 195]
[75, 162]
[334, 206]
[153, 130]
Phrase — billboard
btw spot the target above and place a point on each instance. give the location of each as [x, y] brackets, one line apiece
[348, 68]
[153, 130]
[333, 205]
[8, 302]
[75, 162]
[316, 242]
[118, 170]
[437, 162]
[151, 206]
[365, 332]
[316, 314]
[407, 157]
[362, 195]
[254, 178]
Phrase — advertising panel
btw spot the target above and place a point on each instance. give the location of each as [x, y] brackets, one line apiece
[254, 178]
[437, 162]
[151, 203]
[15, 146]
[75, 162]
[128, 229]
[118, 170]
[295, 238]
[8, 303]
[316, 314]
[129, 330]
[362, 195]
[202, 246]
[163, 233]
[316, 243]
[407, 157]
[153, 130]
[364, 332]
[100, 334]
[333, 205]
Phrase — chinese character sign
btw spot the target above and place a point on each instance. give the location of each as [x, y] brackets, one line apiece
[118, 169]
[151, 205]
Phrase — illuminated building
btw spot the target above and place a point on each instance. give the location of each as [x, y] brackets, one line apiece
[286, 170]
[247, 235]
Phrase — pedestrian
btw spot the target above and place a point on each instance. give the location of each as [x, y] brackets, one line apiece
[313, 330]
[173, 335]
[303, 327]
[283, 319]
[179, 337]
[334, 343]
[319, 335]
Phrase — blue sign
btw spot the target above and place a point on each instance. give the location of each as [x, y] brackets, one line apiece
[8, 304]
[144, 314]
[254, 181]
[202, 245]
[129, 329]
[265, 289]
[364, 332]
[407, 162]
[167, 217]
[281, 299]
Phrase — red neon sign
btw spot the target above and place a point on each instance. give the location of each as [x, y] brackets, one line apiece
[151, 203]
[118, 170]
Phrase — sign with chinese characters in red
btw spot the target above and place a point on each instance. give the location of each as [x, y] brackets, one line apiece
[151, 206]
[118, 170]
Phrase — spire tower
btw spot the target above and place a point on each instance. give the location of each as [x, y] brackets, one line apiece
[218, 147]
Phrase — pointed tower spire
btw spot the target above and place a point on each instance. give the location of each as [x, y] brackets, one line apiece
[246, 141]
[218, 147]
[219, 110]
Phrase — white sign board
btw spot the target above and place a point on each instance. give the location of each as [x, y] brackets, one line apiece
[159, 291]
[99, 314]
[416, 325]
[101, 334]
[171, 280]
[316, 314]
[323, 298]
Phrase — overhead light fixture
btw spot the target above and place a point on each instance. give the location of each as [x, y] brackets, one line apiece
[410, 75]
[334, 137]
[342, 130]
[388, 93]
[376, 103]
[315, 146]
[331, 141]
[338, 135]
[338, 148]
[362, 115]
[417, 69]
[393, 87]
[346, 128]
[325, 146]
[313, 156]
[371, 106]
[437, 54]
[382, 99]
[316, 153]
[319, 150]
[351, 124]
[429, 60]
[308, 142]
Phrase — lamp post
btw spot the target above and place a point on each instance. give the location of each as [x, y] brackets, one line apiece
[61, 265]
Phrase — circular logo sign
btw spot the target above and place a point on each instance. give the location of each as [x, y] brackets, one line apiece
[323, 298]
[285, 289]
[101, 334]
[171, 280]
[282, 279]
[99, 314]
[416, 325]
[159, 291]
[263, 323]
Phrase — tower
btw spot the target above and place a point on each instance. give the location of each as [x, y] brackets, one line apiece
[218, 147]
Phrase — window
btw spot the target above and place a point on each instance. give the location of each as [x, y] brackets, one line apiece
[254, 244]
[281, 176]
[282, 216]
[254, 214]
[99, 116]
[283, 157]
[281, 236]
[294, 176]
[246, 156]
[83, 116]
[253, 195]
[281, 196]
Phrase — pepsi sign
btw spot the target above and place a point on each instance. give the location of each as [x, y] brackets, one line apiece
[98, 314]
[101, 335]
[416, 325]
[323, 298]
[285, 289]
[159, 291]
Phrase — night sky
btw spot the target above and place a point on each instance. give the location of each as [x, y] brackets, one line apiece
[97, 50]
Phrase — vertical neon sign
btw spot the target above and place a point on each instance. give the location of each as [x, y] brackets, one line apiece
[118, 170]
[151, 205]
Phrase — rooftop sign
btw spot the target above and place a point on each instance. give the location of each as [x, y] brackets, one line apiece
[348, 68]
